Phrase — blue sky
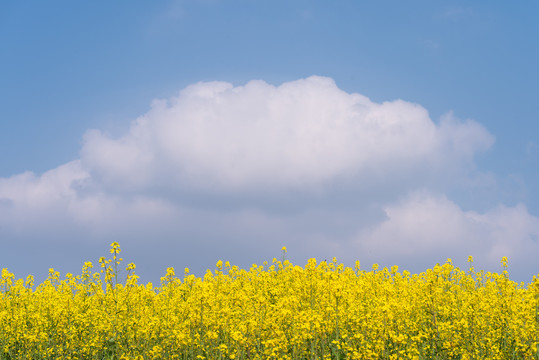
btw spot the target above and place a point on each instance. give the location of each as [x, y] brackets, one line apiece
[390, 132]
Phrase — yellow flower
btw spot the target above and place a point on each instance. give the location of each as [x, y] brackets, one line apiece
[280, 311]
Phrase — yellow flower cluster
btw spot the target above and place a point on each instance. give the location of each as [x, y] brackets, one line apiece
[272, 311]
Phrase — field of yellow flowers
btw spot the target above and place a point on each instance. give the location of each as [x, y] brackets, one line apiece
[272, 311]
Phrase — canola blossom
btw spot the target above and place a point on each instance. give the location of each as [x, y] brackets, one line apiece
[276, 310]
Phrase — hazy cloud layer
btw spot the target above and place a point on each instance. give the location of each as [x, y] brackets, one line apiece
[253, 167]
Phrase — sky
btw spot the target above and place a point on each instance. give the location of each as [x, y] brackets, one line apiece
[389, 132]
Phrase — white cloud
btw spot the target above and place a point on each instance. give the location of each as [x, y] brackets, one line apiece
[298, 135]
[66, 198]
[30, 201]
[425, 226]
[227, 168]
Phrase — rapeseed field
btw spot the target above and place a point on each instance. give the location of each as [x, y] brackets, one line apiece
[276, 310]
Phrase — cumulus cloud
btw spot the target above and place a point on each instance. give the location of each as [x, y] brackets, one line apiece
[304, 133]
[310, 153]
[429, 226]
[29, 201]
[66, 197]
